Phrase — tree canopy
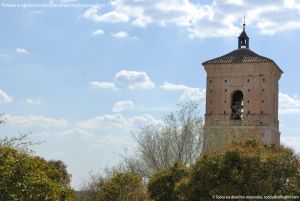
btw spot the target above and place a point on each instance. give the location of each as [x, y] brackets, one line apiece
[247, 168]
[26, 177]
[161, 186]
[119, 187]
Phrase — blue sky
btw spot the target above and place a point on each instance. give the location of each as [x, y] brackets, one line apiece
[83, 78]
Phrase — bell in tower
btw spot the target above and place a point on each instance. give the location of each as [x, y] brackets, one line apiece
[237, 106]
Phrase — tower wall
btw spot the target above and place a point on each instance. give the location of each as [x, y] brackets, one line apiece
[258, 82]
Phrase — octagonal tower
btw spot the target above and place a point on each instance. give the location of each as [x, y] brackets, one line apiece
[241, 97]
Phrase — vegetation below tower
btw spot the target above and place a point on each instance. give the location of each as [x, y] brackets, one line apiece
[167, 166]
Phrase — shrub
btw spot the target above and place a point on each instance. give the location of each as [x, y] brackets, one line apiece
[161, 186]
[121, 187]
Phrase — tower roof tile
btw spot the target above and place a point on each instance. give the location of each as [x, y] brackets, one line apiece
[241, 55]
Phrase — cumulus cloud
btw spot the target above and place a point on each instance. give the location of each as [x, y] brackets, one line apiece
[98, 32]
[122, 105]
[107, 121]
[134, 79]
[218, 18]
[137, 122]
[188, 93]
[288, 104]
[120, 34]
[115, 122]
[124, 34]
[22, 51]
[35, 120]
[4, 98]
[112, 16]
[75, 132]
[103, 85]
[33, 102]
[130, 79]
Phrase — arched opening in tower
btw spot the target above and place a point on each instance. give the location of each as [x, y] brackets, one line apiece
[237, 105]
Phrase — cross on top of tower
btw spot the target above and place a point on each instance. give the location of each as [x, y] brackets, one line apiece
[243, 39]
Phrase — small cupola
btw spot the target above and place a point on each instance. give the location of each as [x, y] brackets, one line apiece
[243, 40]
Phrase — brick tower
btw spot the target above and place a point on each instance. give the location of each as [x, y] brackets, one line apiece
[241, 97]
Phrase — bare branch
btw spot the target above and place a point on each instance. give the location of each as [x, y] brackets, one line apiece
[177, 138]
[21, 143]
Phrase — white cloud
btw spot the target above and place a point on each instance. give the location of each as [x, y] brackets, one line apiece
[151, 109]
[98, 32]
[33, 102]
[292, 142]
[219, 18]
[137, 122]
[112, 16]
[142, 21]
[35, 120]
[107, 121]
[122, 105]
[270, 27]
[69, 1]
[116, 122]
[103, 85]
[188, 93]
[4, 54]
[193, 94]
[4, 98]
[174, 87]
[288, 104]
[134, 79]
[124, 34]
[62, 1]
[120, 34]
[108, 141]
[75, 132]
[22, 51]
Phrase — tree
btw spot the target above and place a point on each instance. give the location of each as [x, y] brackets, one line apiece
[159, 146]
[25, 177]
[93, 187]
[177, 138]
[90, 190]
[246, 168]
[161, 186]
[120, 187]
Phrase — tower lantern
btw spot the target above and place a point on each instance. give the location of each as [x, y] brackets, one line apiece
[243, 39]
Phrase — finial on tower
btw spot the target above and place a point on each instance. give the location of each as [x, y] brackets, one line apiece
[243, 40]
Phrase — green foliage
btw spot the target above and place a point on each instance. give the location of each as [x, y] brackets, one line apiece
[121, 187]
[247, 168]
[161, 186]
[24, 177]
